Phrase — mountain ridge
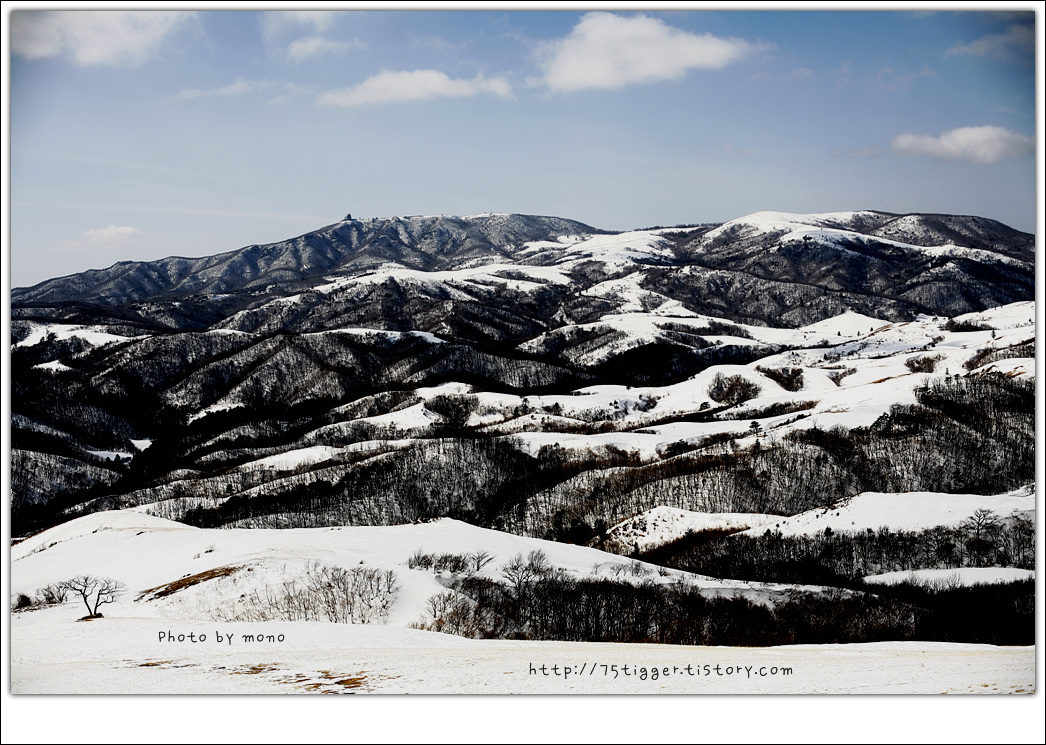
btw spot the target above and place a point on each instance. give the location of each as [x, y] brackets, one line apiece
[767, 268]
[359, 242]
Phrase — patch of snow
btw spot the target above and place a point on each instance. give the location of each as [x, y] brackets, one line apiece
[961, 576]
[901, 511]
[293, 459]
[1012, 316]
[111, 453]
[662, 525]
[94, 335]
[53, 366]
[847, 324]
[223, 405]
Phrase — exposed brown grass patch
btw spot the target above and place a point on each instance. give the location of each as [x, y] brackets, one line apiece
[177, 585]
[165, 664]
[332, 679]
[351, 682]
[255, 670]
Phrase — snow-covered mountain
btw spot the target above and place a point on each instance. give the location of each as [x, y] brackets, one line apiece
[515, 273]
[418, 242]
[531, 374]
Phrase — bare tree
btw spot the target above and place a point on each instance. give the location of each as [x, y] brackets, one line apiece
[538, 563]
[52, 594]
[480, 558]
[96, 590]
[981, 521]
[517, 573]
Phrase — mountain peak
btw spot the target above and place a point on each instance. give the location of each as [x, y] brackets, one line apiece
[427, 242]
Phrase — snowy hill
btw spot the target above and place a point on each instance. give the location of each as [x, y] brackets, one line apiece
[147, 552]
[907, 511]
[173, 631]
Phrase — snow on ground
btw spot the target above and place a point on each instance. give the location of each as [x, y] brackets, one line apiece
[431, 338]
[616, 250]
[1012, 367]
[54, 366]
[851, 383]
[827, 228]
[859, 371]
[294, 459]
[903, 511]
[111, 453]
[50, 653]
[172, 646]
[962, 576]
[646, 445]
[769, 221]
[845, 324]
[521, 277]
[223, 405]
[93, 335]
[1012, 316]
[662, 525]
[146, 552]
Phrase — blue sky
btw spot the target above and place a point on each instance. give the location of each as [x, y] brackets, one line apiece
[141, 135]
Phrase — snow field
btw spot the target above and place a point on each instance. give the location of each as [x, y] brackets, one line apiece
[126, 656]
[909, 511]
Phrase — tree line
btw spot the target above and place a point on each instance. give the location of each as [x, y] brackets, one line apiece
[542, 603]
[841, 558]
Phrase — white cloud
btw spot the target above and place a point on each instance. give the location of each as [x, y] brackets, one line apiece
[1018, 39]
[605, 50]
[276, 22]
[107, 238]
[94, 37]
[419, 85]
[238, 88]
[988, 144]
[314, 46]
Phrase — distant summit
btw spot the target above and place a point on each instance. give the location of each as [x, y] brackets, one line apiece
[426, 243]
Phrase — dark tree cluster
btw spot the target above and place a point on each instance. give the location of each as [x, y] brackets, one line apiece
[553, 605]
[789, 378]
[840, 558]
[732, 389]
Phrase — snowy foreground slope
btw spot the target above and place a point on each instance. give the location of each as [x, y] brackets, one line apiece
[152, 644]
[122, 655]
[147, 552]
